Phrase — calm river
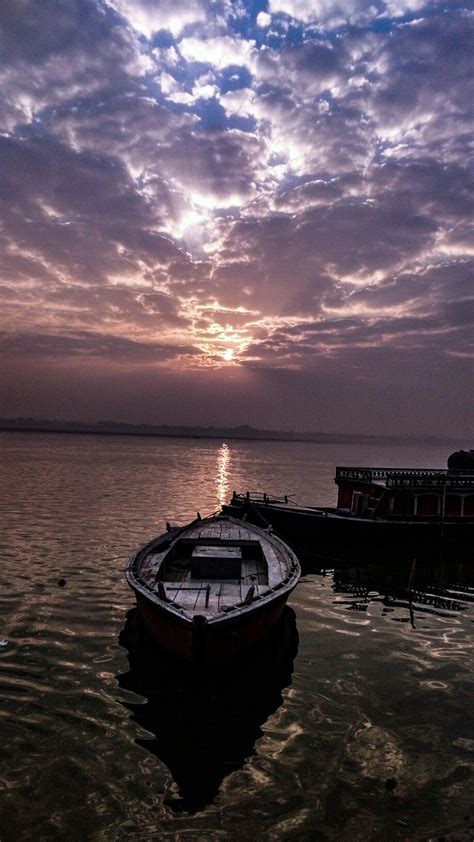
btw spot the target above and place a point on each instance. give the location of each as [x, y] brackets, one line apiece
[353, 723]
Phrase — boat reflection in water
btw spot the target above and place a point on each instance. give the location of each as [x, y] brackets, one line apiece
[417, 587]
[205, 721]
[411, 585]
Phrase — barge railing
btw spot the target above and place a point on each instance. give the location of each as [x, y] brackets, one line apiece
[408, 477]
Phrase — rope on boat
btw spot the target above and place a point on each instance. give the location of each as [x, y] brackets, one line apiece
[297, 547]
[266, 522]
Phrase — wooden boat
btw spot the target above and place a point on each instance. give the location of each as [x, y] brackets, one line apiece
[212, 589]
[377, 507]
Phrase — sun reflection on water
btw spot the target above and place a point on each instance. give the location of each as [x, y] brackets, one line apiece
[222, 479]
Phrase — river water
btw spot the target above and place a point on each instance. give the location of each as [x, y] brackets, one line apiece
[353, 722]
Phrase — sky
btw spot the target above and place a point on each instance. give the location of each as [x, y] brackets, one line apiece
[229, 213]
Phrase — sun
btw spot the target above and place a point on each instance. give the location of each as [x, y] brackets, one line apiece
[228, 355]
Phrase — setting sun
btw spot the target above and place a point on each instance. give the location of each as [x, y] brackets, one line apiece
[228, 355]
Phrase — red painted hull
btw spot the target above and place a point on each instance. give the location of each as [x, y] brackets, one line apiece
[217, 641]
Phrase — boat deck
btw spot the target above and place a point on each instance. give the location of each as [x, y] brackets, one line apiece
[208, 595]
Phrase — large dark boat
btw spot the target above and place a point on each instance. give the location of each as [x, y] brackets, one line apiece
[377, 507]
[212, 589]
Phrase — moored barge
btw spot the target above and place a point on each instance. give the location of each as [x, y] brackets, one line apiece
[377, 507]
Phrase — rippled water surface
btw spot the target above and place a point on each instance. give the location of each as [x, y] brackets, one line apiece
[353, 722]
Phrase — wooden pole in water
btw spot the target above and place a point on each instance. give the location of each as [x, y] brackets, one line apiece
[443, 510]
[410, 600]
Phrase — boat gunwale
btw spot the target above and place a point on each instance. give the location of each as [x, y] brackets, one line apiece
[285, 586]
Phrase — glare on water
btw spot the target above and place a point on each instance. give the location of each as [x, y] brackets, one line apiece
[223, 473]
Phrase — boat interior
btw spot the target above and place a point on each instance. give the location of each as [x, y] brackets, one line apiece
[214, 567]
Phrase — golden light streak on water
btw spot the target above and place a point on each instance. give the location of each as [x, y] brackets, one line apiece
[223, 468]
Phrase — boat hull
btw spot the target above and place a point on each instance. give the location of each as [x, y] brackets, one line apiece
[209, 591]
[214, 642]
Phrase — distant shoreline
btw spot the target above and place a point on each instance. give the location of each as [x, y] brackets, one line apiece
[243, 433]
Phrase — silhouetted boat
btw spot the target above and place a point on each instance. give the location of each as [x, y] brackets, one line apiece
[377, 507]
[213, 588]
[204, 723]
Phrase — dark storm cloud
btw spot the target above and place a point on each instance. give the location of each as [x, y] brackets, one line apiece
[313, 64]
[318, 192]
[219, 164]
[426, 291]
[371, 347]
[60, 52]
[72, 211]
[124, 126]
[143, 313]
[83, 346]
[365, 236]
[445, 191]
[80, 186]
[292, 256]
[426, 64]
[32, 31]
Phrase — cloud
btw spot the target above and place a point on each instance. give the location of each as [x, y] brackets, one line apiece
[334, 13]
[150, 16]
[422, 82]
[177, 179]
[89, 346]
[299, 257]
[130, 129]
[218, 167]
[62, 54]
[219, 52]
[313, 66]
[328, 12]
[263, 19]
[59, 200]
[80, 245]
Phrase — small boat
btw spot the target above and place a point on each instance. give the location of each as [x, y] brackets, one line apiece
[212, 589]
[377, 508]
